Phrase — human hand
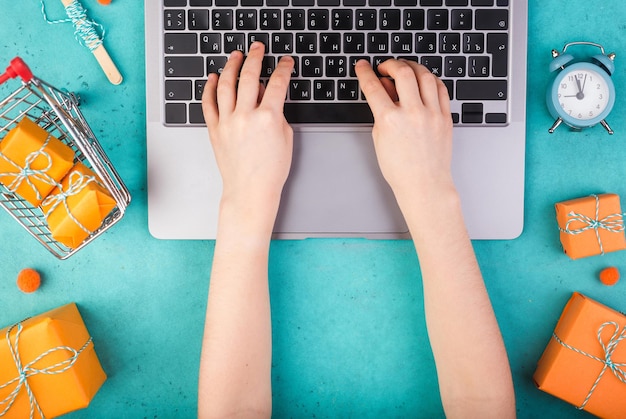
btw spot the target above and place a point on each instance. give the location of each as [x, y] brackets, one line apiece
[412, 126]
[251, 138]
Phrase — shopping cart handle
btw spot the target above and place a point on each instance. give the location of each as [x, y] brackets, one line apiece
[17, 68]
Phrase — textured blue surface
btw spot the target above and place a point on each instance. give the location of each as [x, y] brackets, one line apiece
[349, 331]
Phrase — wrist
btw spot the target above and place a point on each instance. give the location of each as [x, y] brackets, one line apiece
[247, 216]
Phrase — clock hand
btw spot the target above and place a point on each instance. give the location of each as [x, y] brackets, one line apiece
[584, 82]
[580, 95]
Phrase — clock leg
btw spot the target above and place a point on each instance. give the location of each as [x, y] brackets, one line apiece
[606, 126]
[556, 125]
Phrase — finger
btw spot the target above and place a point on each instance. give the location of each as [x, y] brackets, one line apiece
[374, 91]
[227, 84]
[444, 97]
[405, 80]
[276, 90]
[428, 84]
[248, 90]
[390, 87]
[209, 101]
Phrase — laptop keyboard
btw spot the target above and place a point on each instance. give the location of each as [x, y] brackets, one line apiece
[465, 42]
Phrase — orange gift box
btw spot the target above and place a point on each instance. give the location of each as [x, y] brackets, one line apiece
[77, 208]
[585, 361]
[32, 161]
[55, 355]
[591, 225]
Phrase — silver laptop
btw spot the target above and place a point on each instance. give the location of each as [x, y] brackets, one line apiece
[335, 189]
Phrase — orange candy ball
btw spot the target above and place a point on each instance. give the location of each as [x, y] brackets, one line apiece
[609, 276]
[104, 1]
[28, 280]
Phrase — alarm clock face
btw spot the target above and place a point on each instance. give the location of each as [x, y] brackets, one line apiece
[584, 93]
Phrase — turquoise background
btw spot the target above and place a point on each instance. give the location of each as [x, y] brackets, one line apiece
[349, 331]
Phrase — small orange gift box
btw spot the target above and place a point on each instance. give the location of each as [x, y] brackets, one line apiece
[585, 361]
[48, 366]
[77, 207]
[592, 225]
[32, 161]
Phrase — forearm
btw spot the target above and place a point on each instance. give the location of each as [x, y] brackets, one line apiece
[235, 367]
[472, 365]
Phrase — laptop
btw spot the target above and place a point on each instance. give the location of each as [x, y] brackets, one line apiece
[335, 188]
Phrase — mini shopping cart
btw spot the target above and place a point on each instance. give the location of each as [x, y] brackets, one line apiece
[57, 112]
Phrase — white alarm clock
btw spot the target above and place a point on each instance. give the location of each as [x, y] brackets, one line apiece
[582, 93]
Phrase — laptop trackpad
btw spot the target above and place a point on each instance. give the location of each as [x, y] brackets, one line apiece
[335, 186]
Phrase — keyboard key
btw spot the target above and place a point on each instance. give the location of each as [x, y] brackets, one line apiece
[434, 64]
[482, 3]
[478, 66]
[307, 112]
[336, 66]
[481, 89]
[174, 20]
[268, 65]
[377, 43]
[175, 3]
[201, 2]
[178, 90]
[456, 2]
[492, 19]
[251, 3]
[270, 19]
[425, 43]
[198, 19]
[328, 3]
[354, 42]
[175, 113]
[498, 47]
[405, 3]
[181, 43]
[306, 43]
[303, 2]
[234, 42]
[199, 89]
[246, 19]
[495, 118]
[352, 3]
[472, 113]
[299, 90]
[342, 19]
[473, 43]
[330, 42]
[294, 19]
[437, 19]
[461, 20]
[365, 19]
[211, 43]
[401, 43]
[379, 3]
[347, 90]
[449, 43]
[215, 64]
[455, 66]
[226, 3]
[222, 19]
[282, 43]
[264, 38]
[324, 90]
[413, 19]
[312, 66]
[352, 61]
[431, 3]
[196, 115]
[389, 19]
[318, 19]
[277, 2]
[184, 67]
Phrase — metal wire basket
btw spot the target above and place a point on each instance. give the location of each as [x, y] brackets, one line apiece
[57, 112]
